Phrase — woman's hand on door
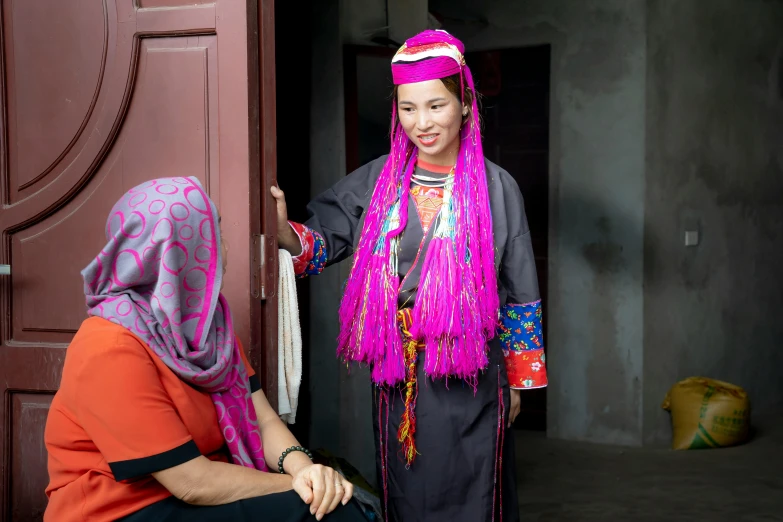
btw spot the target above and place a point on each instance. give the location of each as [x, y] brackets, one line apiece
[286, 237]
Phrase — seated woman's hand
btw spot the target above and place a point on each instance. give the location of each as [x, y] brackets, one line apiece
[322, 488]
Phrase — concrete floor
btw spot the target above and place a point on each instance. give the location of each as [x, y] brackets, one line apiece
[574, 482]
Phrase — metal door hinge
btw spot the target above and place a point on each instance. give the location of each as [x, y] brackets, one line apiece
[264, 280]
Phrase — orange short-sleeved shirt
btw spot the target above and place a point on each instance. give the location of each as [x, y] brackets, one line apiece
[120, 415]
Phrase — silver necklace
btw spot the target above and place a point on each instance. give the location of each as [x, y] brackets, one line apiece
[430, 182]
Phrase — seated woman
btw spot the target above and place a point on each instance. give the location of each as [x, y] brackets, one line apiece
[159, 416]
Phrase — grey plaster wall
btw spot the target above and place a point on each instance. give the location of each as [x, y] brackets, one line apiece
[664, 115]
[714, 163]
[597, 122]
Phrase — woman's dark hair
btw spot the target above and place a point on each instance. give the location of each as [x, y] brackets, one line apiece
[452, 83]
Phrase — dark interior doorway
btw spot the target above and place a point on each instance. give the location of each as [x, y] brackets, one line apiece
[293, 158]
[514, 87]
[368, 88]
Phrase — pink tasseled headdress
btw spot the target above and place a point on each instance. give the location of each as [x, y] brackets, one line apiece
[456, 306]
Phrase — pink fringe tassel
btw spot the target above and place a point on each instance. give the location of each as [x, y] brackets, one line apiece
[456, 307]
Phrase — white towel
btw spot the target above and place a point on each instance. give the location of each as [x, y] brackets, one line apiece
[289, 341]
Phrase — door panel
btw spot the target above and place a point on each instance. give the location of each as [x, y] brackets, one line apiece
[28, 414]
[173, 104]
[99, 97]
[172, 3]
[47, 113]
[169, 120]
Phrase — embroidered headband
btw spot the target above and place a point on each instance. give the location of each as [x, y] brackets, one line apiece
[431, 55]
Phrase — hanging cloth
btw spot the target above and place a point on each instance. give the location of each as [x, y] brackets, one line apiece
[289, 341]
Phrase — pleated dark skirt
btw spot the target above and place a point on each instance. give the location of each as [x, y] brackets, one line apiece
[464, 471]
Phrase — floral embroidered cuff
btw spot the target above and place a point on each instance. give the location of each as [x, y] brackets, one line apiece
[312, 260]
[521, 336]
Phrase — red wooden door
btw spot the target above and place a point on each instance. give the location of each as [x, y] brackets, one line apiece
[98, 96]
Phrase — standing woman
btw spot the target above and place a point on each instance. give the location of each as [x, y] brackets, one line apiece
[442, 299]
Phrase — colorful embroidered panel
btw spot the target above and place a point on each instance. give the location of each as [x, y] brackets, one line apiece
[313, 258]
[526, 369]
[428, 202]
[522, 337]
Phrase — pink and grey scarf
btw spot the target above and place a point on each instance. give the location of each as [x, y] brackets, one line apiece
[159, 276]
[456, 309]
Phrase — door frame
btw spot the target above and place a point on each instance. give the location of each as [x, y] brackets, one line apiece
[262, 351]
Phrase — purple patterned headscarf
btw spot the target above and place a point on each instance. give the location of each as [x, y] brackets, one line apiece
[159, 276]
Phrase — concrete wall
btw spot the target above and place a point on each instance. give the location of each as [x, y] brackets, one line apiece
[597, 122]
[361, 19]
[715, 163]
[660, 112]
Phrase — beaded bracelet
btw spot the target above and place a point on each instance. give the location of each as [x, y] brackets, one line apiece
[291, 450]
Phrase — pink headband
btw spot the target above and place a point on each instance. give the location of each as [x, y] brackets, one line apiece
[430, 55]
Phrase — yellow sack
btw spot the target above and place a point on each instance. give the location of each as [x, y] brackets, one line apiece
[707, 414]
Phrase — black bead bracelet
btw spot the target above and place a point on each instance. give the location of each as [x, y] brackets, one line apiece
[291, 450]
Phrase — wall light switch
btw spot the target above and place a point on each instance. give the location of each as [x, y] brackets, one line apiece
[691, 238]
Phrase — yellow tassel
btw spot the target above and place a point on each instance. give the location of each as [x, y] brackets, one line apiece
[407, 430]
